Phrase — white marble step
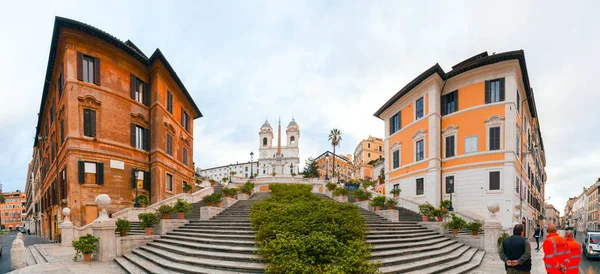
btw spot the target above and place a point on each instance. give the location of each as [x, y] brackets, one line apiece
[448, 265]
[221, 264]
[204, 253]
[431, 263]
[129, 267]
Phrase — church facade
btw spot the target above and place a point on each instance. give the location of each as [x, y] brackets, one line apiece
[278, 158]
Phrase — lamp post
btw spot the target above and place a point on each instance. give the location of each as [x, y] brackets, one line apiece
[251, 170]
[230, 173]
[326, 166]
[451, 190]
[338, 168]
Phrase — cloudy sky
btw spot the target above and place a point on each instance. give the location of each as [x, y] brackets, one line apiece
[329, 64]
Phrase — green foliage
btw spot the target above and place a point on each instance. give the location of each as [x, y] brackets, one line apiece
[502, 238]
[248, 188]
[440, 213]
[445, 204]
[273, 173]
[301, 233]
[367, 184]
[378, 201]
[427, 209]
[225, 179]
[391, 202]
[182, 206]
[187, 187]
[361, 194]
[456, 222]
[164, 209]
[148, 220]
[340, 191]
[395, 191]
[330, 186]
[85, 245]
[474, 226]
[294, 174]
[143, 199]
[122, 225]
[212, 182]
[229, 191]
[213, 198]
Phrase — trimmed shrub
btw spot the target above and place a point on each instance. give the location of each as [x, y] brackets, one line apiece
[330, 186]
[301, 233]
[248, 188]
[182, 206]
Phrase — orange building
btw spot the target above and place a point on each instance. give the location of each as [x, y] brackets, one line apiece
[326, 169]
[366, 153]
[106, 110]
[13, 210]
[472, 132]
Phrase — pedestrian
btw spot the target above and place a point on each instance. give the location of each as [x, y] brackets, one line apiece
[515, 252]
[536, 235]
[28, 232]
[556, 250]
[574, 256]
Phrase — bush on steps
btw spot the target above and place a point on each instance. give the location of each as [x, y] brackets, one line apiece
[301, 233]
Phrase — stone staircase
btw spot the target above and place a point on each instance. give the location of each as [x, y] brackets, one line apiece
[407, 247]
[223, 244]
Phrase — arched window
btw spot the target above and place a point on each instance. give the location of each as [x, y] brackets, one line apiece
[292, 140]
[265, 141]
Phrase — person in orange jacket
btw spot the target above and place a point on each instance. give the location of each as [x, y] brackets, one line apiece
[556, 250]
[574, 257]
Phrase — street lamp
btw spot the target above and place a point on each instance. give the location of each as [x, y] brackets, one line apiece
[338, 168]
[251, 159]
[451, 190]
[326, 166]
[135, 183]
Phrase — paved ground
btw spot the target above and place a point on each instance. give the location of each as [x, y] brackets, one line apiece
[586, 266]
[7, 240]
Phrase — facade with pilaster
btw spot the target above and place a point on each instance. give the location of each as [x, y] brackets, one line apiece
[472, 131]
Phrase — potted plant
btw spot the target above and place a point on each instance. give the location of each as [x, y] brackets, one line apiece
[225, 179]
[330, 186]
[187, 188]
[182, 207]
[143, 200]
[474, 227]
[248, 188]
[123, 226]
[502, 238]
[361, 195]
[294, 174]
[391, 203]
[148, 221]
[395, 191]
[208, 199]
[165, 211]
[445, 204]
[340, 191]
[426, 210]
[212, 182]
[378, 202]
[215, 198]
[367, 184]
[86, 245]
[255, 175]
[455, 223]
[440, 214]
[273, 174]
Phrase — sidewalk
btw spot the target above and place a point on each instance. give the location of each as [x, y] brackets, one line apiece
[60, 260]
[493, 264]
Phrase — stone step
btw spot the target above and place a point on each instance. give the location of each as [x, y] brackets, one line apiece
[211, 247]
[394, 235]
[407, 258]
[382, 246]
[205, 253]
[418, 228]
[145, 264]
[418, 266]
[396, 252]
[471, 265]
[211, 240]
[129, 267]
[219, 264]
[217, 223]
[448, 263]
[213, 231]
[383, 231]
[395, 225]
[37, 255]
[213, 235]
[403, 240]
[229, 227]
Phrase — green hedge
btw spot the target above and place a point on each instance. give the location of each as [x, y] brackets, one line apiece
[301, 233]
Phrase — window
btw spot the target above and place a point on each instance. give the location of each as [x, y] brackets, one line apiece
[88, 69]
[184, 157]
[518, 185]
[471, 144]
[420, 153]
[246, 169]
[449, 184]
[63, 184]
[292, 140]
[420, 186]
[419, 109]
[396, 186]
[368, 154]
[518, 144]
[368, 145]
[140, 137]
[185, 120]
[169, 102]
[494, 135]
[450, 102]
[60, 83]
[90, 172]
[169, 182]
[170, 144]
[450, 146]
[89, 122]
[494, 91]
[52, 111]
[518, 102]
[395, 122]
[396, 159]
[62, 132]
[265, 142]
[379, 148]
[495, 180]
[139, 91]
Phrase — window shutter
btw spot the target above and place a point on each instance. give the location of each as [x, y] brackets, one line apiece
[502, 90]
[132, 81]
[92, 123]
[146, 94]
[456, 99]
[399, 120]
[81, 171]
[487, 92]
[100, 173]
[133, 134]
[444, 107]
[79, 66]
[182, 117]
[147, 181]
[391, 125]
[147, 139]
[96, 70]
[133, 179]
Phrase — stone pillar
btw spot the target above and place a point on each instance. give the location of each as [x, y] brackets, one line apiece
[104, 228]
[165, 226]
[493, 229]
[18, 256]
[67, 234]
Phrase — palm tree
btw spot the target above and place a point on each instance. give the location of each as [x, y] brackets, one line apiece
[335, 136]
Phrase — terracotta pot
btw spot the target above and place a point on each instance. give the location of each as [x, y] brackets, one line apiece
[219, 204]
[377, 208]
[337, 195]
[390, 207]
[357, 200]
[454, 231]
[165, 216]
[148, 231]
[209, 204]
[395, 195]
[180, 215]
[425, 218]
[440, 219]
[123, 233]
[143, 205]
[87, 257]
[474, 232]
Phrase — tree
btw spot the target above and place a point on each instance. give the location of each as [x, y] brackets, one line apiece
[311, 168]
[335, 136]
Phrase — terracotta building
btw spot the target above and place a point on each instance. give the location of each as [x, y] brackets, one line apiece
[366, 154]
[106, 110]
[326, 169]
[13, 210]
